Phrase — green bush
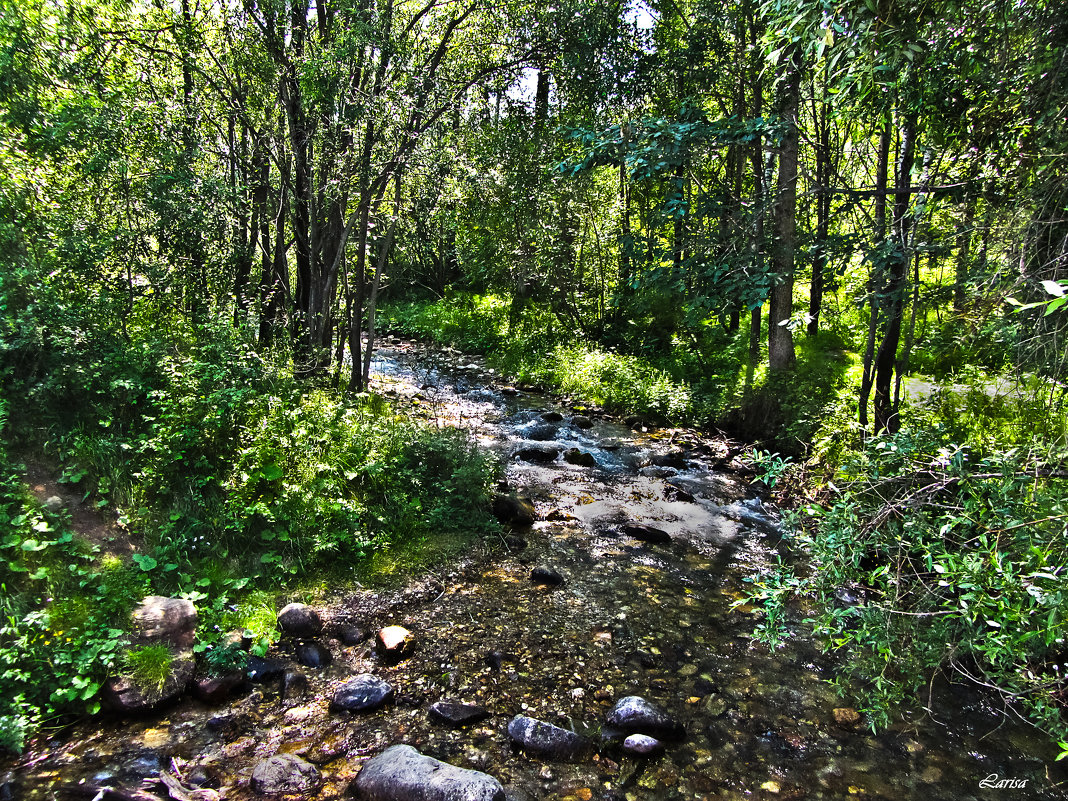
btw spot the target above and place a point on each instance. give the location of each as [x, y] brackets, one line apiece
[958, 560]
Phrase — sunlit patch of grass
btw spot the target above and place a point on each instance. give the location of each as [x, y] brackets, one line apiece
[150, 666]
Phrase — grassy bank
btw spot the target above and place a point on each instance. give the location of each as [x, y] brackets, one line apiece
[233, 483]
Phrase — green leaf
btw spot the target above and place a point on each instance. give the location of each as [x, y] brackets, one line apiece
[146, 563]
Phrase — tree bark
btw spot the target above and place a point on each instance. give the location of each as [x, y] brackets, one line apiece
[780, 339]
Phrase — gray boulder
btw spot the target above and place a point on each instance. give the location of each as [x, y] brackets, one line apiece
[401, 773]
[545, 739]
[172, 620]
[362, 694]
[635, 715]
[299, 620]
[453, 713]
[285, 774]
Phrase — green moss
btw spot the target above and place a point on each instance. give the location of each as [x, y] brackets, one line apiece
[149, 666]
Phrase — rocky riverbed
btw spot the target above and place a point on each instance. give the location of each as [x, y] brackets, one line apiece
[594, 651]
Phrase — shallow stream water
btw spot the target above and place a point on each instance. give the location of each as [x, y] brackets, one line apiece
[630, 618]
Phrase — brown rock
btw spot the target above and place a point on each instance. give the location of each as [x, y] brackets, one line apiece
[173, 620]
[216, 689]
[395, 640]
[125, 694]
[846, 716]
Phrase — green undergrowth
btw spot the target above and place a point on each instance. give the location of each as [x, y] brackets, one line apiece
[239, 484]
[940, 552]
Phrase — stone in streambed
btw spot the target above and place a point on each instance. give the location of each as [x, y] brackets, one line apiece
[395, 641]
[541, 432]
[313, 654]
[642, 745]
[294, 684]
[284, 774]
[546, 575]
[261, 669]
[541, 455]
[654, 536]
[581, 421]
[299, 620]
[216, 689]
[401, 773]
[364, 693]
[545, 739]
[635, 715]
[552, 417]
[513, 510]
[125, 694]
[452, 713]
[580, 458]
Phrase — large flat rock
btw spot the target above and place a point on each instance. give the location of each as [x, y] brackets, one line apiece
[401, 773]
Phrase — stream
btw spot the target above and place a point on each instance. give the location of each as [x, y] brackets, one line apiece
[631, 617]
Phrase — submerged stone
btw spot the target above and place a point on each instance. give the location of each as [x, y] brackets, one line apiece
[546, 575]
[261, 669]
[642, 745]
[284, 774]
[452, 713]
[654, 536]
[539, 737]
[294, 684]
[401, 773]
[635, 715]
[364, 693]
[313, 654]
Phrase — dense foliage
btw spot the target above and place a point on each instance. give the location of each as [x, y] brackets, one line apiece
[642, 205]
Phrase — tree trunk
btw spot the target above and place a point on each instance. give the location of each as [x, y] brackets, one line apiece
[376, 282]
[879, 239]
[886, 417]
[780, 339]
[823, 215]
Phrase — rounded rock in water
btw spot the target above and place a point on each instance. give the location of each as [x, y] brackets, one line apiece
[364, 693]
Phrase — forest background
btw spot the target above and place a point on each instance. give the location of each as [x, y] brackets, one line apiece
[836, 230]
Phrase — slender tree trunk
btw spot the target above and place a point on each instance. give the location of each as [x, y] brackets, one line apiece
[823, 214]
[879, 239]
[780, 338]
[886, 417]
[962, 264]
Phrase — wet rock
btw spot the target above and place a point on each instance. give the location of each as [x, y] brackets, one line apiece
[654, 536]
[552, 417]
[262, 669]
[541, 432]
[451, 713]
[146, 763]
[313, 654]
[352, 635]
[578, 457]
[675, 459]
[546, 575]
[395, 641]
[284, 773]
[294, 684]
[539, 737]
[509, 392]
[581, 421]
[172, 620]
[673, 493]
[299, 620]
[642, 745]
[846, 717]
[635, 715]
[515, 543]
[560, 515]
[513, 510]
[494, 660]
[658, 472]
[364, 693]
[216, 689]
[127, 695]
[538, 455]
[401, 773]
